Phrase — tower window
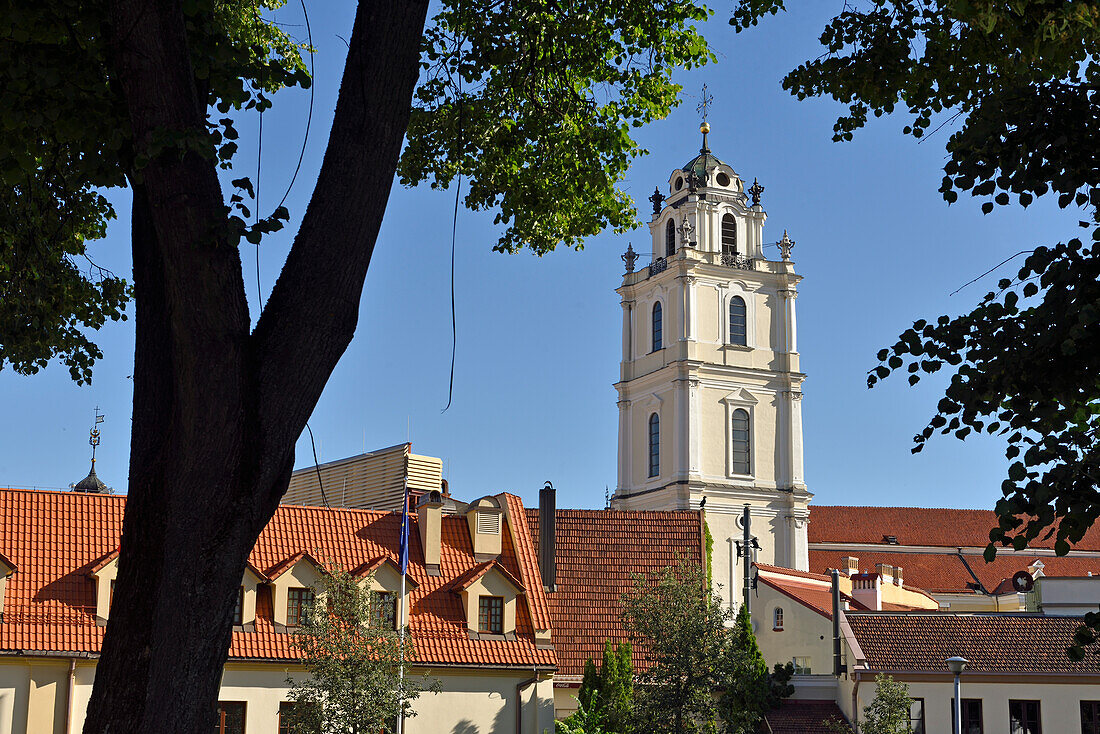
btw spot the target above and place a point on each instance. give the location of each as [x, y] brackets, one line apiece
[738, 331]
[654, 445]
[670, 238]
[658, 327]
[777, 620]
[740, 441]
[729, 235]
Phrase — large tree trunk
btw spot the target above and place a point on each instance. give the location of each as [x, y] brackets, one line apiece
[217, 410]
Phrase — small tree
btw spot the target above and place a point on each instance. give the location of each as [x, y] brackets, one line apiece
[888, 712]
[750, 690]
[682, 625]
[605, 697]
[617, 686]
[354, 685]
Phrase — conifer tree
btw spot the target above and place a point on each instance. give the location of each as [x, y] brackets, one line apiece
[750, 690]
[589, 693]
[617, 686]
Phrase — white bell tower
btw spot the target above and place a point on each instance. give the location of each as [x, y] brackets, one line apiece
[710, 389]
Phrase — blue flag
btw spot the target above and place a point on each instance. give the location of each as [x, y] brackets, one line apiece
[403, 548]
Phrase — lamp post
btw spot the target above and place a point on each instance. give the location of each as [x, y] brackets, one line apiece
[957, 665]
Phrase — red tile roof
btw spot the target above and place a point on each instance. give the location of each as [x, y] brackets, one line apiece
[55, 538]
[946, 573]
[916, 526]
[995, 643]
[803, 717]
[598, 553]
[814, 596]
[464, 581]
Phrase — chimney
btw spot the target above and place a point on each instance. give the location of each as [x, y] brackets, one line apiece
[897, 576]
[429, 519]
[886, 571]
[867, 590]
[851, 564]
[838, 666]
[548, 542]
[485, 519]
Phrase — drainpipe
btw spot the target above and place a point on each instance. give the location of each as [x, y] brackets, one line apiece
[519, 700]
[855, 700]
[69, 701]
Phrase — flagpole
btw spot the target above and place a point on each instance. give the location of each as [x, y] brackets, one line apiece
[403, 566]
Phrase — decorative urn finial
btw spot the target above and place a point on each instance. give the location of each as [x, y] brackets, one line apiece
[756, 190]
[657, 199]
[630, 257]
[785, 246]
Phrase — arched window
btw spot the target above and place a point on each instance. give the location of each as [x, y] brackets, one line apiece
[658, 327]
[738, 332]
[654, 445]
[777, 619]
[729, 235]
[740, 441]
[670, 238]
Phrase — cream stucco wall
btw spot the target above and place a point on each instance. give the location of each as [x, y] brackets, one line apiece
[805, 632]
[1059, 696]
[34, 698]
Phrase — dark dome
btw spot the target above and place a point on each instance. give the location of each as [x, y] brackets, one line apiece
[92, 483]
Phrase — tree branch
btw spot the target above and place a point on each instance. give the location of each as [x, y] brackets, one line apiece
[313, 310]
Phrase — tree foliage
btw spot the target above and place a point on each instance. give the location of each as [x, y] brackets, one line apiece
[66, 142]
[750, 690]
[888, 712]
[681, 625]
[354, 686]
[605, 698]
[1018, 83]
[534, 107]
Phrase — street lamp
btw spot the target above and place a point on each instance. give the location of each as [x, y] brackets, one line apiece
[957, 665]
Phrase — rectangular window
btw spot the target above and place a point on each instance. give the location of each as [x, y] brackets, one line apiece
[916, 715]
[288, 713]
[1090, 717]
[238, 609]
[297, 604]
[971, 715]
[802, 666]
[1023, 717]
[385, 610]
[490, 614]
[230, 718]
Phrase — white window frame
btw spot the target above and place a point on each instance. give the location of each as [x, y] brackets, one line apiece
[777, 619]
[740, 399]
[737, 288]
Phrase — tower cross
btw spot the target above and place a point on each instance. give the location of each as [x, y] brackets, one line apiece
[705, 101]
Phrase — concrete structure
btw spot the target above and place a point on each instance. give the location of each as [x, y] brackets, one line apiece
[711, 386]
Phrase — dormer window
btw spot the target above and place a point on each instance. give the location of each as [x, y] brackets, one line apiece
[484, 517]
[299, 600]
[385, 610]
[490, 595]
[670, 238]
[238, 608]
[490, 616]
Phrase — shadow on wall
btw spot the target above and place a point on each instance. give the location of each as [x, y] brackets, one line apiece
[503, 723]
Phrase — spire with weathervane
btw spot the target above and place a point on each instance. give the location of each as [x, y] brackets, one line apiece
[92, 484]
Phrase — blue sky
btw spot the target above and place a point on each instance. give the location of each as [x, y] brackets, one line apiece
[538, 338]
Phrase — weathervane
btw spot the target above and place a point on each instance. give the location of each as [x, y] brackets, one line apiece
[702, 109]
[705, 102]
[93, 439]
